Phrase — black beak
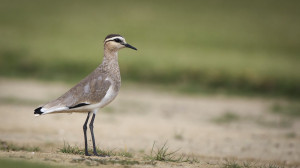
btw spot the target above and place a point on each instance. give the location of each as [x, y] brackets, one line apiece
[129, 46]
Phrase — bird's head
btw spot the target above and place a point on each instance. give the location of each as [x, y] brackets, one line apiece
[115, 42]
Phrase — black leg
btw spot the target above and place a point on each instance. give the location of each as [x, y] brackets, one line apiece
[85, 138]
[93, 138]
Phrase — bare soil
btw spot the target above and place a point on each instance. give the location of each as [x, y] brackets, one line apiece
[142, 115]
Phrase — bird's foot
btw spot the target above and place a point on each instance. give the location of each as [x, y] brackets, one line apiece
[87, 154]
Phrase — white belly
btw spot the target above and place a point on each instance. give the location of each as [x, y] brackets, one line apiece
[110, 95]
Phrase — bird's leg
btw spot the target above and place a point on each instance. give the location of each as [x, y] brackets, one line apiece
[85, 138]
[93, 138]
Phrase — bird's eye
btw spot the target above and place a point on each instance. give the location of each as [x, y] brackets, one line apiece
[117, 40]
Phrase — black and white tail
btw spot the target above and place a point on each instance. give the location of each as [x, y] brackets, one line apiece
[38, 111]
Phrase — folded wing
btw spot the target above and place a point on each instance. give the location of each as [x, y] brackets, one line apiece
[89, 91]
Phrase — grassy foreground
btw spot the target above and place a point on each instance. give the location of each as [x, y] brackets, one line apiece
[159, 157]
[236, 46]
[12, 163]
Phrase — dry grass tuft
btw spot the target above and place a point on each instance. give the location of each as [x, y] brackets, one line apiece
[5, 146]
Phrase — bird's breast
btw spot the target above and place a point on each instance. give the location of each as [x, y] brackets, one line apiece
[111, 93]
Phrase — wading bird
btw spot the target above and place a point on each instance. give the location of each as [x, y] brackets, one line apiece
[95, 91]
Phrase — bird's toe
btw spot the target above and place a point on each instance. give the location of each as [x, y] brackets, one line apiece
[87, 154]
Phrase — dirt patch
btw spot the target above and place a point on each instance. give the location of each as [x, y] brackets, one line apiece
[141, 116]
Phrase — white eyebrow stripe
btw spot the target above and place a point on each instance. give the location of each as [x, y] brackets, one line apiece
[115, 38]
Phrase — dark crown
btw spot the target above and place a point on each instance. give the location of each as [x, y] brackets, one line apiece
[112, 35]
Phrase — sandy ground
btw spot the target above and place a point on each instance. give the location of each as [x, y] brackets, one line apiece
[141, 116]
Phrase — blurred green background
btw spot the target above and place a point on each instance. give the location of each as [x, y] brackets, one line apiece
[232, 46]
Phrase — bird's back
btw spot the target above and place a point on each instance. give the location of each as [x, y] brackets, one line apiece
[99, 88]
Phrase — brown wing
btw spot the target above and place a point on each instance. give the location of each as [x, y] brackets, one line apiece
[90, 90]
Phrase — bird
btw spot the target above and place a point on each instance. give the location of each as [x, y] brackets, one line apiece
[95, 91]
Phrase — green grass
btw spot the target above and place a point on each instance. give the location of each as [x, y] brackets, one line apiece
[234, 164]
[71, 149]
[178, 136]
[284, 121]
[233, 46]
[6, 146]
[291, 110]
[67, 148]
[100, 161]
[287, 114]
[280, 123]
[12, 163]
[164, 154]
[159, 154]
[291, 135]
[227, 117]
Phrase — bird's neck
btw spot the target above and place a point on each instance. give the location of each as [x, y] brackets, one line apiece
[110, 64]
[110, 57]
